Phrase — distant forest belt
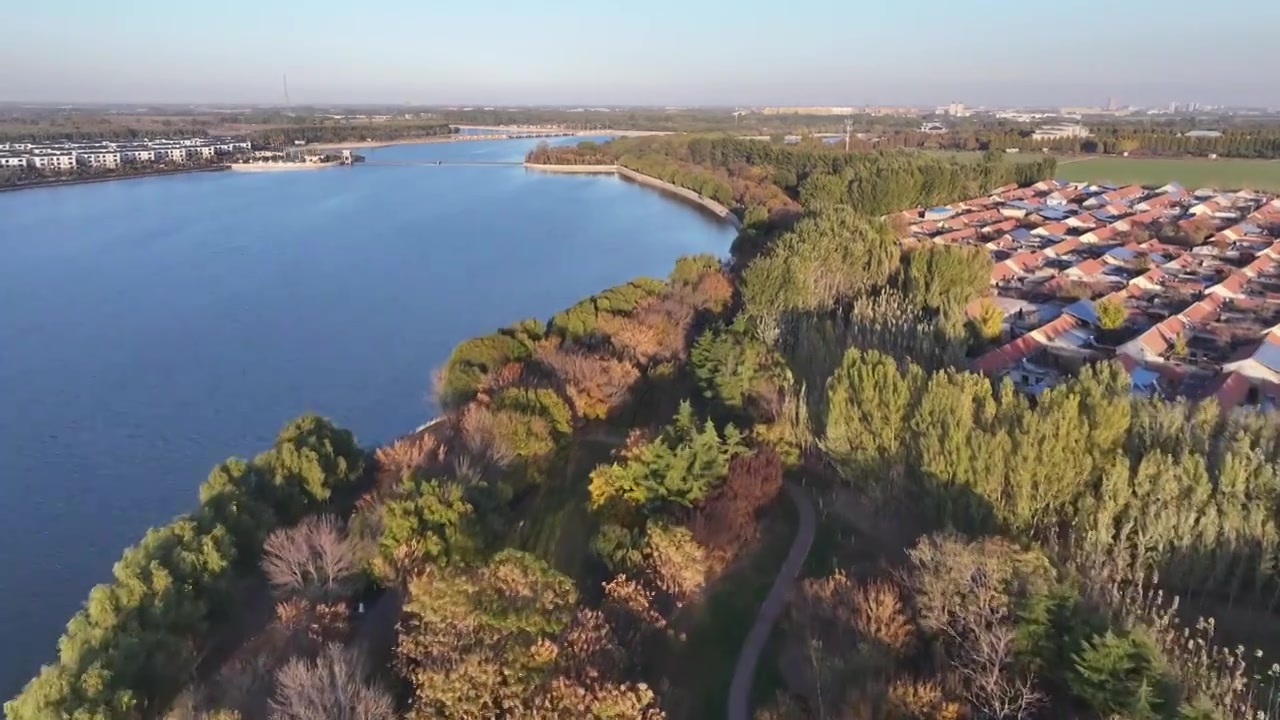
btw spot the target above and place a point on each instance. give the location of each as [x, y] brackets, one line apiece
[721, 211]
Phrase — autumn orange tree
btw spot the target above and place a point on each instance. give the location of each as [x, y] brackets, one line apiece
[508, 640]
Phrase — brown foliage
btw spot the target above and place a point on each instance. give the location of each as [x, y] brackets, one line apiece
[630, 610]
[822, 611]
[910, 699]
[483, 435]
[408, 453]
[305, 626]
[595, 385]
[850, 636]
[900, 224]
[314, 558]
[675, 562]
[588, 650]
[726, 521]
[879, 617]
[506, 641]
[604, 700]
[494, 439]
[713, 292]
[656, 331]
[509, 375]
[331, 687]
[964, 594]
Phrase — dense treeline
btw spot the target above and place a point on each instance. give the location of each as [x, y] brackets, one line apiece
[685, 120]
[1262, 141]
[1242, 138]
[137, 641]
[1077, 472]
[766, 182]
[586, 152]
[1123, 489]
[1242, 143]
[89, 129]
[332, 133]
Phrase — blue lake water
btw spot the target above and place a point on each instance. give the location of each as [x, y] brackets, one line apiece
[150, 328]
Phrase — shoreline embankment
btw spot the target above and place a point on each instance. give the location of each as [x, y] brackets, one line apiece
[60, 182]
[703, 201]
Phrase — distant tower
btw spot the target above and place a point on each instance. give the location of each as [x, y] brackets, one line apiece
[1111, 104]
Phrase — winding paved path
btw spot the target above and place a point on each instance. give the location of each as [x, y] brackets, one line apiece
[771, 609]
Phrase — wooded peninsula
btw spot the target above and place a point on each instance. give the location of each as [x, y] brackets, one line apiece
[590, 527]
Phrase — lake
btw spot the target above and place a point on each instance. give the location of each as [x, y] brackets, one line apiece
[150, 328]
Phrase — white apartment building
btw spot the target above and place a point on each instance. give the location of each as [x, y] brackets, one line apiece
[137, 155]
[98, 159]
[52, 161]
[1059, 131]
[230, 146]
[68, 155]
[171, 154]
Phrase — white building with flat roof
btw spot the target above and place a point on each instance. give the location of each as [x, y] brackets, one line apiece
[200, 152]
[171, 154]
[98, 159]
[52, 160]
[227, 145]
[1059, 131]
[138, 155]
[13, 162]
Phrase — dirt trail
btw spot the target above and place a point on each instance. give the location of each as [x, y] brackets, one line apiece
[744, 672]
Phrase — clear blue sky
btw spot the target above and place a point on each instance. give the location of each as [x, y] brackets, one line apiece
[655, 52]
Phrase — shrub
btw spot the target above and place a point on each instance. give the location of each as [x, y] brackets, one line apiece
[471, 360]
[542, 403]
[726, 520]
[681, 466]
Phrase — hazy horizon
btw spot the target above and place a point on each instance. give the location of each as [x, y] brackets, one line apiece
[700, 53]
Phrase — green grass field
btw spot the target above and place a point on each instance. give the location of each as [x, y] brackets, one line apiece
[1227, 174]
[1191, 172]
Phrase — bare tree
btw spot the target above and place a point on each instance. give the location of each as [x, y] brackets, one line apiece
[313, 558]
[990, 683]
[964, 594]
[331, 687]
[484, 436]
[408, 453]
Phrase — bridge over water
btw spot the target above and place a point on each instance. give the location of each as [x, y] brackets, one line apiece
[441, 163]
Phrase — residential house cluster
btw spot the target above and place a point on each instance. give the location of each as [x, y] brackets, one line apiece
[67, 156]
[1196, 274]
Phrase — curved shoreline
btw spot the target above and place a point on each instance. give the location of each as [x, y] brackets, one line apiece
[719, 210]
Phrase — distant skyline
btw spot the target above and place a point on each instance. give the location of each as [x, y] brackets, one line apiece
[661, 52]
